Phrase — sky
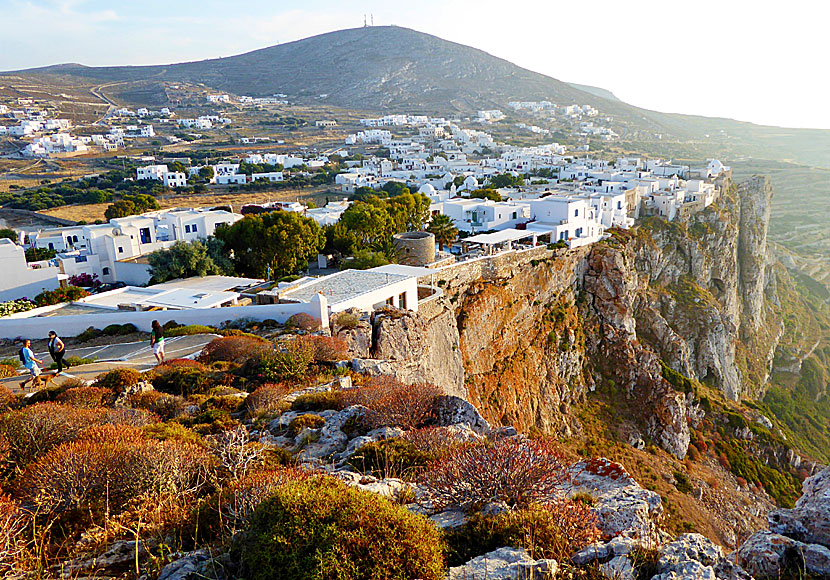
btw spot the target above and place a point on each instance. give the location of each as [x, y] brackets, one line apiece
[759, 61]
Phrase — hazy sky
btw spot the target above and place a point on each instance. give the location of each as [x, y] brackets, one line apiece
[759, 61]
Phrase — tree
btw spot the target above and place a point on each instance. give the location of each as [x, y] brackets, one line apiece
[506, 180]
[206, 172]
[487, 193]
[283, 240]
[8, 233]
[119, 209]
[395, 188]
[34, 254]
[409, 212]
[365, 259]
[368, 220]
[444, 230]
[177, 167]
[186, 259]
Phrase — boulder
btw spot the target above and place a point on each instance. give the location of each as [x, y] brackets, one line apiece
[767, 554]
[619, 568]
[198, 565]
[504, 564]
[688, 570]
[451, 410]
[357, 333]
[690, 547]
[450, 520]
[809, 520]
[123, 398]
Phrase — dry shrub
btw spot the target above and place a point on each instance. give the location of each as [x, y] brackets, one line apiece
[118, 379]
[182, 363]
[7, 398]
[169, 406]
[435, 440]
[235, 349]
[12, 524]
[390, 402]
[303, 321]
[236, 452]
[327, 348]
[7, 371]
[555, 530]
[86, 397]
[267, 399]
[515, 471]
[288, 362]
[145, 399]
[109, 465]
[230, 509]
[132, 417]
[34, 430]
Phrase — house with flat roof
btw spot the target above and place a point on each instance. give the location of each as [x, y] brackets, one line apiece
[21, 279]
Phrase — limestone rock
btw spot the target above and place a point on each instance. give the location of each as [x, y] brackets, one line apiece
[688, 570]
[809, 521]
[618, 568]
[450, 520]
[123, 397]
[767, 554]
[357, 334]
[504, 564]
[198, 565]
[690, 547]
[451, 410]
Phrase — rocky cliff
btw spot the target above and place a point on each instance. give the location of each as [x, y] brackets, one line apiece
[525, 335]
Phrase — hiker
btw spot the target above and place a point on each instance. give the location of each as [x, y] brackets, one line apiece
[56, 350]
[27, 357]
[157, 341]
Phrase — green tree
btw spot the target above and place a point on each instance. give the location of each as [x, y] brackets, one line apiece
[206, 172]
[409, 212]
[365, 259]
[176, 167]
[487, 193]
[8, 233]
[444, 230]
[119, 209]
[395, 188]
[368, 220]
[186, 259]
[506, 180]
[283, 240]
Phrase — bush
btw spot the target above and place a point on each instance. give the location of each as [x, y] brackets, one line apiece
[86, 397]
[556, 531]
[233, 349]
[288, 362]
[297, 424]
[12, 533]
[181, 363]
[15, 306]
[267, 399]
[390, 458]
[107, 466]
[231, 508]
[320, 528]
[346, 321]
[167, 406]
[174, 431]
[7, 398]
[36, 429]
[392, 403]
[7, 371]
[119, 329]
[317, 402]
[184, 381]
[303, 321]
[189, 330]
[327, 348]
[436, 441]
[515, 471]
[90, 333]
[13, 362]
[60, 295]
[118, 379]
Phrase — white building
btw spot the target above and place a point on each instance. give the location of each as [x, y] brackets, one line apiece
[20, 279]
[174, 179]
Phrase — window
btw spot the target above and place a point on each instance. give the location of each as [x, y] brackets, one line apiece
[619, 205]
[74, 238]
[105, 271]
[187, 229]
[576, 213]
[51, 246]
[120, 250]
[193, 228]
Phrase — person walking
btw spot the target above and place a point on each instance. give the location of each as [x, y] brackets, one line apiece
[157, 341]
[27, 357]
[57, 349]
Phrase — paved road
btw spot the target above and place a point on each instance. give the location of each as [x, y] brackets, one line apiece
[137, 355]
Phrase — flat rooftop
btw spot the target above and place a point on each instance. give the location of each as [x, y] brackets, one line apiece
[209, 283]
[343, 285]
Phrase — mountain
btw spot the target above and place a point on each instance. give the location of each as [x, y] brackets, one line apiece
[368, 68]
[598, 91]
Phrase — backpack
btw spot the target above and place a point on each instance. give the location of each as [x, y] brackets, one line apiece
[20, 355]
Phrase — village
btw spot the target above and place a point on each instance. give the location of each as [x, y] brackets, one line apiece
[495, 198]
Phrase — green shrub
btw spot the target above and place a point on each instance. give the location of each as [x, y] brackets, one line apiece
[60, 295]
[182, 381]
[119, 329]
[174, 431]
[322, 401]
[296, 426]
[346, 321]
[117, 379]
[90, 333]
[322, 529]
[391, 458]
[288, 362]
[13, 362]
[682, 482]
[190, 330]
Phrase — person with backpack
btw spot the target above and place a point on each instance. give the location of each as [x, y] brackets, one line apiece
[157, 341]
[57, 349]
[27, 357]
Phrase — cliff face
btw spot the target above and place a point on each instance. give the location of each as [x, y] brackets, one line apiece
[524, 336]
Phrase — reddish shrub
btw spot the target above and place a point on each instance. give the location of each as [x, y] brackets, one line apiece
[233, 349]
[34, 430]
[7, 371]
[516, 471]
[303, 321]
[724, 462]
[435, 440]
[267, 398]
[86, 397]
[117, 379]
[145, 399]
[327, 348]
[390, 402]
[12, 524]
[107, 466]
[133, 417]
[7, 398]
[606, 468]
[182, 363]
[741, 482]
